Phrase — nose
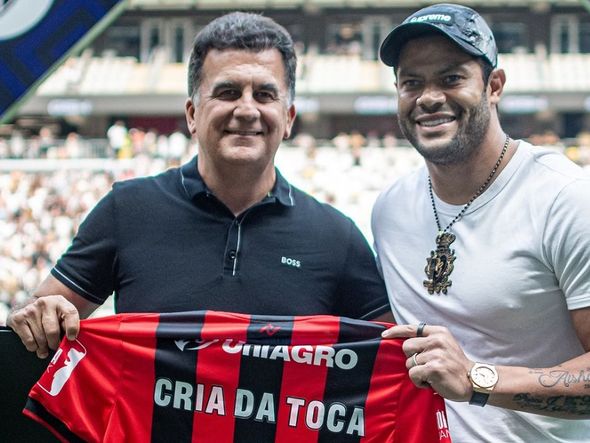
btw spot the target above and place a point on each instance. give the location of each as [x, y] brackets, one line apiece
[431, 98]
[246, 108]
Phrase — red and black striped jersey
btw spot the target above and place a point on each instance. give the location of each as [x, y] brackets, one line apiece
[220, 377]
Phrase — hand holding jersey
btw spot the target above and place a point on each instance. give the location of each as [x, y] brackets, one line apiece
[435, 360]
[41, 320]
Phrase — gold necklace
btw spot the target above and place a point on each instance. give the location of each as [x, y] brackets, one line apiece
[440, 263]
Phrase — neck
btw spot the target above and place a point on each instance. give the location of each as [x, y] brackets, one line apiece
[238, 189]
[457, 183]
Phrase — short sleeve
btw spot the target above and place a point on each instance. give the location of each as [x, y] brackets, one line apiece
[567, 242]
[88, 266]
[361, 291]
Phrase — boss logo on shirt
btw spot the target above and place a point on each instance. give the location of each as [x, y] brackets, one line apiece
[291, 262]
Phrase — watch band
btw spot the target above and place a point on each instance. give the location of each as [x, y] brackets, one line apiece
[479, 398]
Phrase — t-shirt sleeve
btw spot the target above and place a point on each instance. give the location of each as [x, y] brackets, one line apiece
[88, 266]
[567, 242]
[361, 290]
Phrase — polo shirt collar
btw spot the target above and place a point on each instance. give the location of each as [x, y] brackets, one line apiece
[193, 184]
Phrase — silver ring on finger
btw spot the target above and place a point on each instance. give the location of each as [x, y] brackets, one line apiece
[415, 360]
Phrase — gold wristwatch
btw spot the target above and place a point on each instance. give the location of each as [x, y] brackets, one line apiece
[483, 378]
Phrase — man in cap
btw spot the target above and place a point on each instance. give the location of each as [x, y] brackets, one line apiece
[486, 250]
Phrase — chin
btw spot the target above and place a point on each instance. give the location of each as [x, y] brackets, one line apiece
[244, 155]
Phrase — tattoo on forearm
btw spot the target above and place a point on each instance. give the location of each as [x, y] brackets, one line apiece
[551, 378]
[575, 405]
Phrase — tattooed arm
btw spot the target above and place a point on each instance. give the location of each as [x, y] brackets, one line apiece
[562, 391]
[436, 359]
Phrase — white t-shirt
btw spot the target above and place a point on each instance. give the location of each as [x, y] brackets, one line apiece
[522, 262]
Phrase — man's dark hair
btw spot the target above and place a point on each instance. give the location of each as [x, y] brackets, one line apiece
[242, 31]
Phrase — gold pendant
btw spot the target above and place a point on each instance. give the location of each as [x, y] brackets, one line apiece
[440, 264]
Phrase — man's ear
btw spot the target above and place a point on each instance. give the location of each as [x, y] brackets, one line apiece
[496, 85]
[189, 113]
[291, 114]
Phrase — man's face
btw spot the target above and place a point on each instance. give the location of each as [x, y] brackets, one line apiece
[240, 113]
[443, 107]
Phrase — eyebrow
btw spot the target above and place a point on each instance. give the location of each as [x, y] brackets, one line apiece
[223, 85]
[453, 67]
[228, 84]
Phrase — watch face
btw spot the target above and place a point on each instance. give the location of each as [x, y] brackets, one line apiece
[484, 376]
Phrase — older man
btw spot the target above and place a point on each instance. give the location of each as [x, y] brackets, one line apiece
[225, 231]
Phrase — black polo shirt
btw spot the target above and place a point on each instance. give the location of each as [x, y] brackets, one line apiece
[166, 243]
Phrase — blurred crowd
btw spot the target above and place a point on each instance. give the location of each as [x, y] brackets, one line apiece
[119, 143]
[40, 211]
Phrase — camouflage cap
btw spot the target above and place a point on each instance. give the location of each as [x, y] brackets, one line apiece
[462, 25]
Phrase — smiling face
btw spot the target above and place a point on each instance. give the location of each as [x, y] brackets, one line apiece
[241, 111]
[443, 106]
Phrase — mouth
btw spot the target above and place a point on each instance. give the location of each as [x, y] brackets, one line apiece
[432, 121]
[243, 133]
[429, 123]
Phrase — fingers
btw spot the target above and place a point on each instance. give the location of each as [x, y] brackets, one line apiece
[406, 331]
[418, 372]
[70, 321]
[26, 322]
[40, 322]
[412, 362]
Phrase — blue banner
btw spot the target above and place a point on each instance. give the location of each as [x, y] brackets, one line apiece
[37, 35]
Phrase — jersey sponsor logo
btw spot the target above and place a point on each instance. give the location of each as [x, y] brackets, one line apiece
[314, 414]
[60, 369]
[291, 262]
[317, 355]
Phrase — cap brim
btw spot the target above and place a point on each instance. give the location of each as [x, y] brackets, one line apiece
[393, 43]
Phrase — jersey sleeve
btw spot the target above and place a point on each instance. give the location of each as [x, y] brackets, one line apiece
[567, 242]
[88, 266]
[76, 394]
[361, 290]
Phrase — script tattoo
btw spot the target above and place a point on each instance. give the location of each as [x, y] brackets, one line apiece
[576, 405]
[551, 378]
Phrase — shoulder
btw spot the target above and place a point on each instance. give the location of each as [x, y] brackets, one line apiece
[551, 164]
[309, 206]
[548, 175]
[402, 188]
[145, 187]
[321, 220]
